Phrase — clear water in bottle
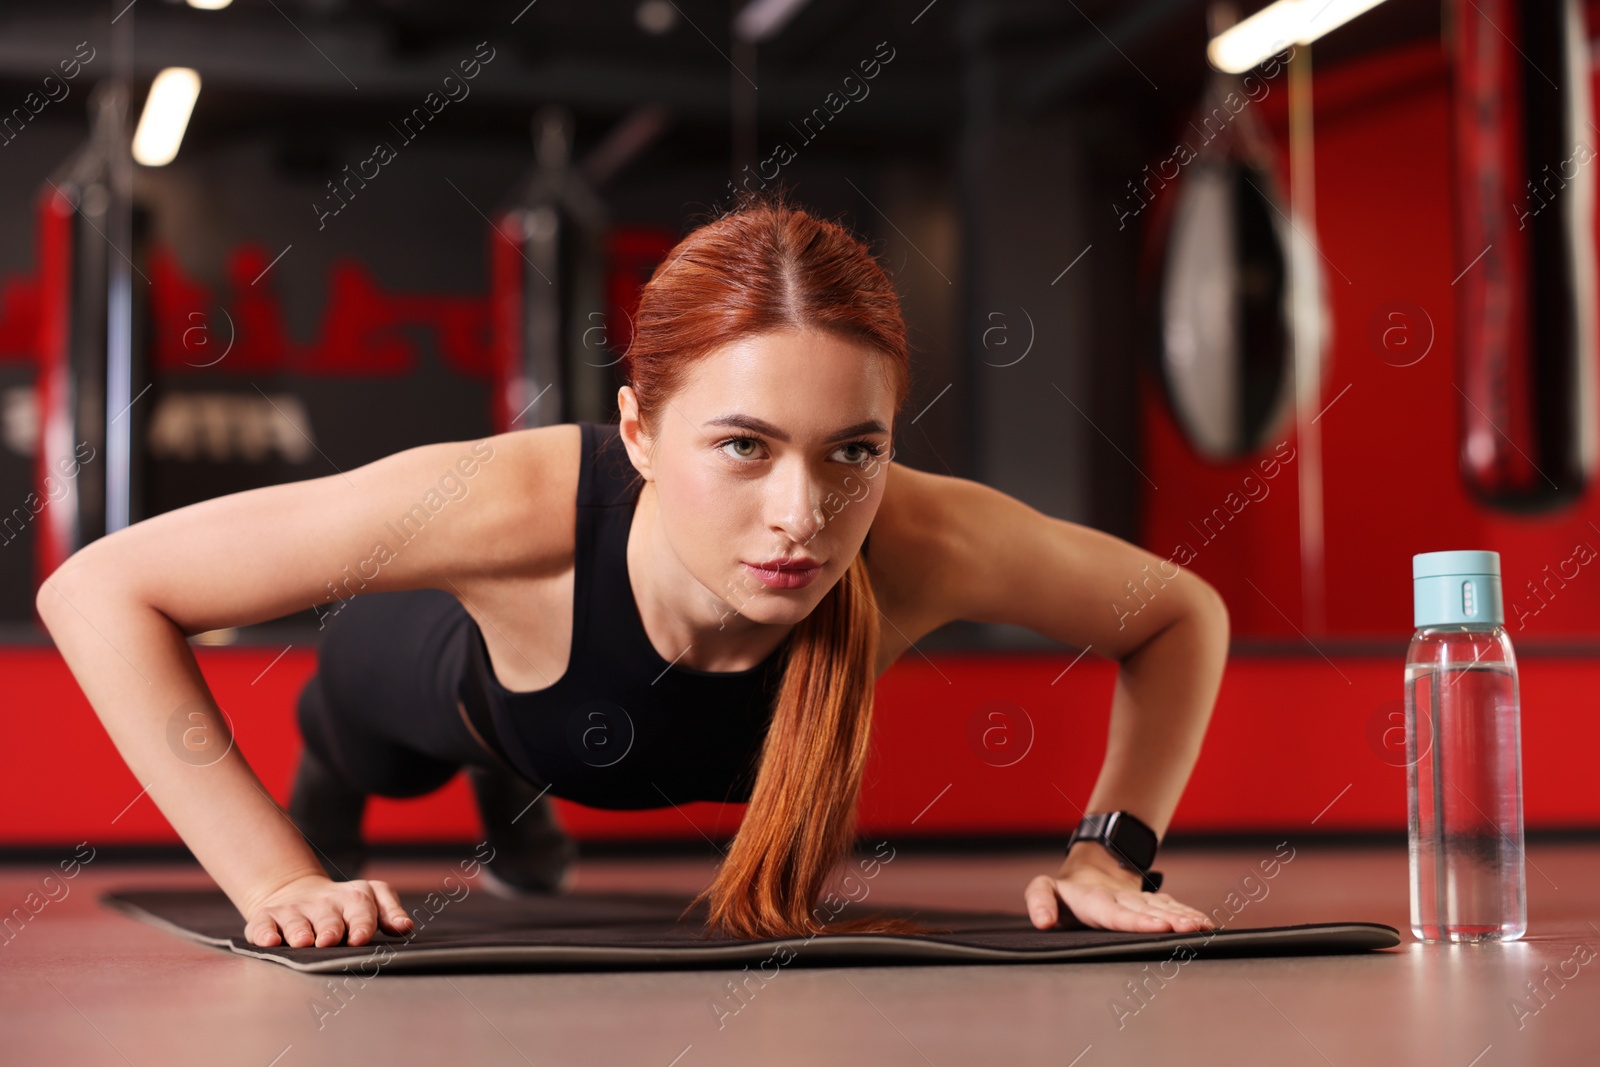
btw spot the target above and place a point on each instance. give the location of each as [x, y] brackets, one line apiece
[1464, 780]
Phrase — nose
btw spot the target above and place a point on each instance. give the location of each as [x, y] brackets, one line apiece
[796, 504]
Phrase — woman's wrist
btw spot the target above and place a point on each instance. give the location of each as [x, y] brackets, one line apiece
[1094, 856]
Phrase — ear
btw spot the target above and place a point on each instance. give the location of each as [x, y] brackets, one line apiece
[634, 439]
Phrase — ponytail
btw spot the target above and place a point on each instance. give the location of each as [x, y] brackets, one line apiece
[801, 818]
[768, 265]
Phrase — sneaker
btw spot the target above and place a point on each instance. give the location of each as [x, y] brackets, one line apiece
[532, 853]
[328, 813]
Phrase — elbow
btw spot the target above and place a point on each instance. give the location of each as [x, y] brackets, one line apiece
[64, 586]
[1212, 610]
[51, 593]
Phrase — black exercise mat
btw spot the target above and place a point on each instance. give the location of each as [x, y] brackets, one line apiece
[633, 931]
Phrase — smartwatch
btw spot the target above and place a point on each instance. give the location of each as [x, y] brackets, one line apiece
[1130, 841]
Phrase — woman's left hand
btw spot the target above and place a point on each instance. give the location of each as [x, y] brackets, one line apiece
[1100, 893]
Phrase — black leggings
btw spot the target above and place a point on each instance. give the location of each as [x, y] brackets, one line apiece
[381, 707]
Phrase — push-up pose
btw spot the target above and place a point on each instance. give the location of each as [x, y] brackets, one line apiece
[682, 606]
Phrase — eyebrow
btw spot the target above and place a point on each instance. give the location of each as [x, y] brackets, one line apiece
[750, 422]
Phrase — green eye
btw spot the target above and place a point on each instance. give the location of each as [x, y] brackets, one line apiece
[868, 450]
[740, 441]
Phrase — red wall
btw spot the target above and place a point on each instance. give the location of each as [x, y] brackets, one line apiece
[1288, 736]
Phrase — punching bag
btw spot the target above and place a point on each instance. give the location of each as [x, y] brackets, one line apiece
[1525, 154]
[1224, 302]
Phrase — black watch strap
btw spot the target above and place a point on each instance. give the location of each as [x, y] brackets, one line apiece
[1132, 842]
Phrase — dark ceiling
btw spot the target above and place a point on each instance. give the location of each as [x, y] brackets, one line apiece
[318, 66]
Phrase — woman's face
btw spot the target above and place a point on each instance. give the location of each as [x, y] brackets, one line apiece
[776, 448]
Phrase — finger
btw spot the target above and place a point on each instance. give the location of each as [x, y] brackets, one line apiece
[330, 927]
[1162, 899]
[1141, 921]
[391, 914]
[1177, 920]
[297, 930]
[1181, 917]
[262, 932]
[1164, 907]
[1177, 914]
[1171, 901]
[1110, 914]
[1191, 918]
[1142, 918]
[361, 919]
[1040, 897]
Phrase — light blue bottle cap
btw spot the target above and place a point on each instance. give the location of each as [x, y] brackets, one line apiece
[1451, 588]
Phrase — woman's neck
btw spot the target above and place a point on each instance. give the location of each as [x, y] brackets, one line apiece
[685, 622]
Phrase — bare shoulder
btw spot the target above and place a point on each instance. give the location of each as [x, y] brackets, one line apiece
[511, 564]
[946, 548]
[523, 520]
[929, 527]
[924, 540]
[913, 548]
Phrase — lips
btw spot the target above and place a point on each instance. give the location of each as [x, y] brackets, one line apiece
[786, 573]
[793, 564]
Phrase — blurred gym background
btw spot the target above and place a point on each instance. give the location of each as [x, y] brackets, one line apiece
[1285, 315]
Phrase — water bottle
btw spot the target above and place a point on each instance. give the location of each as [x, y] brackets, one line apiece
[1463, 754]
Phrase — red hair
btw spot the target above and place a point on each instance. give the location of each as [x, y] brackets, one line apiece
[765, 266]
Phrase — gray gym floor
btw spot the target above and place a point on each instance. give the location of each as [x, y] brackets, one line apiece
[82, 985]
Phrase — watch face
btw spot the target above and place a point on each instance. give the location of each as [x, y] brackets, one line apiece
[1124, 836]
[1132, 839]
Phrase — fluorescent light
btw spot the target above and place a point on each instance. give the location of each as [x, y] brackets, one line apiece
[1269, 30]
[166, 114]
[210, 5]
[761, 19]
[1265, 33]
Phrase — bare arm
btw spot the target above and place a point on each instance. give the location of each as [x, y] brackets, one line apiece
[121, 608]
[1159, 712]
[137, 671]
[1168, 630]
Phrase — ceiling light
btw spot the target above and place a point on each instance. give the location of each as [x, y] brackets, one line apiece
[166, 115]
[1286, 22]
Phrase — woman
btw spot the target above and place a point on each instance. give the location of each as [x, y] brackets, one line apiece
[700, 570]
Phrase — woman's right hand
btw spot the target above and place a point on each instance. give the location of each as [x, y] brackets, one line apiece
[316, 910]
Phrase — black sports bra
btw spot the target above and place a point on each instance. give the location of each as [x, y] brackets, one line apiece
[623, 728]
